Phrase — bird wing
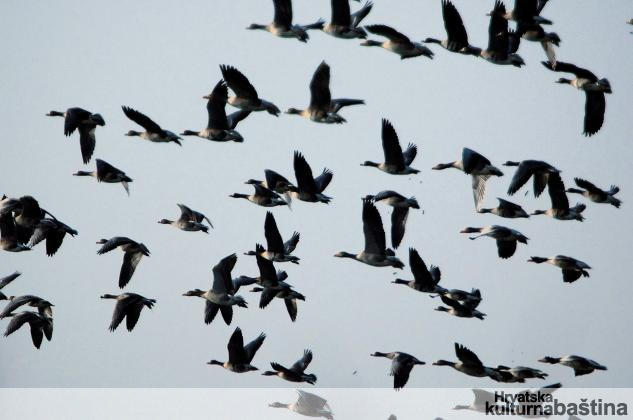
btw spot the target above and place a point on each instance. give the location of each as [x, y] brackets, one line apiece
[391, 146]
[453, 24]
[320, 96]
[142, 120]
[8, 279]
[506, 249]
[16, 303]
[400, 372]
[291, 243]
[410, 154]
[556, 190]
[234, 118]
[283, 13]
[73, 119]
[520, 177]
[227, 314]
[398, 222]
[133, 314]
[291, 307]
[361, 14]
[120, 311]
[87, 141]
[595, 106]
[389, 33]
[584, 184]
[323, 180]
[238, 82]
[420, 272]
[222, 282]
[130, 261]
[466, 356]
[273, 179]
[237, 354]
[498, 31]
[341, 13]
[508, 205]
[266, 268]
[252, 347]
[479, 189]
[303, 173]
[472, 160]
[373, 230]
[186, 214]
[301, 364]
[216, 107]
[563, 67]
[570, 276]
[210, 311]
[113, 243]
[274, 242]
[525, 10]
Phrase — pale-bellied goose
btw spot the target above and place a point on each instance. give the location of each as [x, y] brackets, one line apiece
[375, 252]
[246, 97]
[401, 366]
[53, 231]
[289, 295]
[308, 187]
[128, 306]
[580, 365]
[523, 372]
[499, 50]
[132, 253]
[4, 281]
[282, 26]
[594, 88]
[43, 306]
[506, 209]
[535, 33]
[595, 194]
[457, 38]
[530, 168]
[322, 108]
[506, 238]
[345, 24]
[262, 197]
[560, 204]
[276, 249]
[240, 355]
[40, 326]
[572, 268]
[220, 127]
[273, 181]
[308, 404]
[397, 43]
[459, 309]
[468, 364]
[109, 174]
[424, 279]
[9, 235]
[296, 372]
[401, 206]
[525, 11]
[189, 220]
[471, 299]
[152, 132]
[396, 161]
[86, 122]
[221, 297]
[476, 165]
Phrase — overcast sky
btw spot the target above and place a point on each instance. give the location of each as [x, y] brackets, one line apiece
[161, 57]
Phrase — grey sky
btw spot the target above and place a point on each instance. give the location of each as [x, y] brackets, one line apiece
[161, 57]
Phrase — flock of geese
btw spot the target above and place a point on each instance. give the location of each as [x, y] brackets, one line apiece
[24, 224]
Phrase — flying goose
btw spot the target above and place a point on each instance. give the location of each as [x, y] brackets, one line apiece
[43, 306]
[596, 194]
[240, 355]
[580, 365]
[537, 169]
[499, 50]
[273, 181]
[506, 238]
[396, 161]
[476, 165]
[483, 401]
[262, 197]
[457, 38]
[84, 121]
[9, 235]
[308, 404]
[462, 310]
[27, 215]
[109, 174]
[128, 306]
[53, 231]
[594, 89]
[525, 11]
[246, 97]
[560, 204]
[276, 249]
[345, 24]
[40, 326]
[132, 253]
[5, 281]
[322, 108]
[506, 209]
[535, 33]
[397, 42]
[308, 187]
[401, 206]
[296, 372]
[572, 268]
[289, 295]
[471, 299]
[221, 297]
[523, 372]
[220, 127]
[152, 132]
[468, 364]
[189, 220]
[282, 26]
[375, 252]
[401, 366]
[424, 279]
